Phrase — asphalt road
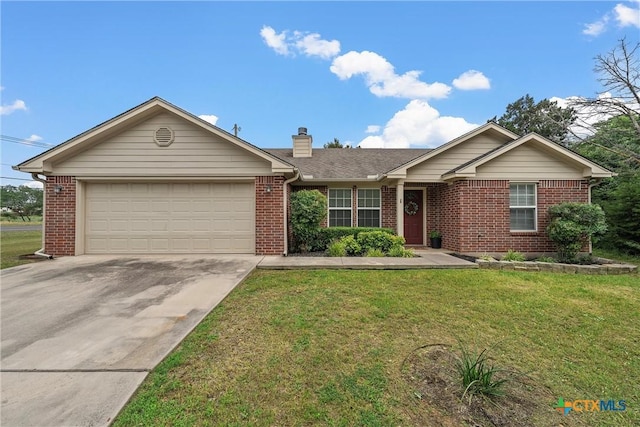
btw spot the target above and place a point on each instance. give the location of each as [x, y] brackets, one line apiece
[21, 227]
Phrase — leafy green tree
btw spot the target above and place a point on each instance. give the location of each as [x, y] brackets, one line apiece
[23, 201]
[545, 118]
[334, 144]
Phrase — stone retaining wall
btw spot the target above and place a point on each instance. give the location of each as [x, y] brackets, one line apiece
[607, 268]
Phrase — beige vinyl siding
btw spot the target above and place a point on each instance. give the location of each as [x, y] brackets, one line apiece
[528, 163]
[432, 169]
[169, 217]
[194, 152]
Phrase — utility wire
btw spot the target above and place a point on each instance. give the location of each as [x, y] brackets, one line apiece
[14, 140]
[15, 179]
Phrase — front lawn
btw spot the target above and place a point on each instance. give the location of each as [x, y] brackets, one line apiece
[340, 348]
[13, 244]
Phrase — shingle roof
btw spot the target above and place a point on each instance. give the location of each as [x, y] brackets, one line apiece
[348, 163]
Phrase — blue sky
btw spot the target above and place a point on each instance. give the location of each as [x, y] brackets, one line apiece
[375, 74]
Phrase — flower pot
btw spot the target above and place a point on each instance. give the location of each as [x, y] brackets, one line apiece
[436, 242]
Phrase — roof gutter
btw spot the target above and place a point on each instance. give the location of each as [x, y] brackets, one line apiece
[284, 210]
[40, 252]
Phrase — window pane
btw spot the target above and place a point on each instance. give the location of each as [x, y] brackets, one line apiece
[522, 195]
[369, 198]
[340, 218]
[523, 219]
[368, 218]
[339, 198]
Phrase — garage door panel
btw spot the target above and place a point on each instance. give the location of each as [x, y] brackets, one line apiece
[170, 217]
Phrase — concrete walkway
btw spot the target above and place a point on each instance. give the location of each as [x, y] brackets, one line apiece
[425, 259]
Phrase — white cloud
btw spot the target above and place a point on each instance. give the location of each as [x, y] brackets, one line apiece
[372, 129]
[309, 44]
[418, 124]
[313, 45]
[627, 16]
[209, 118]
[33, 184]
[18, 104]
[472, 80]
[623, 15]
[34, 138]
[381, 78]
[275, 41]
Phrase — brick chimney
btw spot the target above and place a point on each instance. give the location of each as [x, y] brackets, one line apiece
[302, 143]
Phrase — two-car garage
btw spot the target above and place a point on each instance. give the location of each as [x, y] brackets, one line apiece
[169, 217]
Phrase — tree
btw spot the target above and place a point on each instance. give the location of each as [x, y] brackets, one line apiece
[23, 201]
[334, 144]
[619, 74]
[545, 118]
[573, 225]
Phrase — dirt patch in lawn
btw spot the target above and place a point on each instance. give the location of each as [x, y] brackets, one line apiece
[431, 371]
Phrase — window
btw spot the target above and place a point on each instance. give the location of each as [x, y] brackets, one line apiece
[339, 207]
[522, 206]
[369, 208]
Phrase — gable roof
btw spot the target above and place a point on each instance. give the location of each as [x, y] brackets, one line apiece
[346, 164]
[468, 169]
[490, 127]
[42, 163]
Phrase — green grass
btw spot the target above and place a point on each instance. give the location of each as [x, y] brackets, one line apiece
[326, 347]
[616, 255]
[16, 243]
[35, 219]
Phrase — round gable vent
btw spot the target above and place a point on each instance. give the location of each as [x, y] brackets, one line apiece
[163, 136]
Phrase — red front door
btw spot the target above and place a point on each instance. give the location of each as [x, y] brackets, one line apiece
[413, 217]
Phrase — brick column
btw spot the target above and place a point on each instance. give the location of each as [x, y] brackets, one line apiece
[60, 216]
[269, 215]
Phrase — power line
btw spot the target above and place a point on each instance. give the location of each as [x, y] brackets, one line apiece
[15, 179]
[14, 140]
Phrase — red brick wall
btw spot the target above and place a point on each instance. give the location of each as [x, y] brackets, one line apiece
[388, 200]
[475, 215]
[269, 216]
[60, 216]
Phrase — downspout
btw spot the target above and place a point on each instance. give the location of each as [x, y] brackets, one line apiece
[285, 204]
[40, 252]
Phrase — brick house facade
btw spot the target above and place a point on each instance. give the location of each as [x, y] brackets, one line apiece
[184, 185]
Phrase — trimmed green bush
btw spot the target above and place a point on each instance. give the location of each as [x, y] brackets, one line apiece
[308, 209]
[352, 247]
[378, 240]
[572, 225]
[329, 234]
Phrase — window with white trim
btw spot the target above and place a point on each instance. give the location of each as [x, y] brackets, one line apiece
[522, 206]
[369, 207]
[340, 207]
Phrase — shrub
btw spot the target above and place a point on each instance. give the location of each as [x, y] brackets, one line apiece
[336, 249]
[351, 245]
[477, 376]
[329, 234]
[512, 255]
[373, 252]
[400, 252]
[378, 240]
[308, 209]
[572, 225]
[546, 259]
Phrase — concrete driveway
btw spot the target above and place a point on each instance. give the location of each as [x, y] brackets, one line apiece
[79, 334]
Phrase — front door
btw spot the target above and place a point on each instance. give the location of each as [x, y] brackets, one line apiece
[413, 217]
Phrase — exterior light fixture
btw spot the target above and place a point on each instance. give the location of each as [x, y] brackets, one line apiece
[268, 189]
[57, 189]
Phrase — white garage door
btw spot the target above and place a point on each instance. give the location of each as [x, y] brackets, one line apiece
[169, 218]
